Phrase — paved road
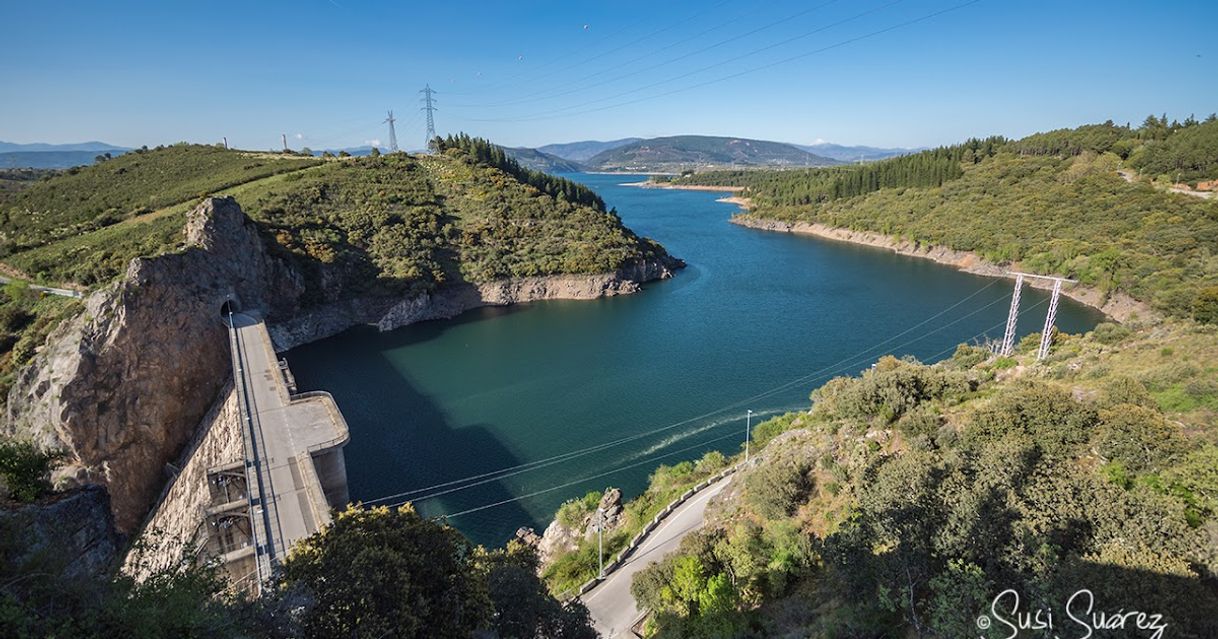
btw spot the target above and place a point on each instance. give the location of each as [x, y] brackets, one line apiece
[279, 434]
[611, 604]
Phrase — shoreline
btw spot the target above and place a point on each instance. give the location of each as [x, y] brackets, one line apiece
[387, 314]
[735, 198]
[1117, 306]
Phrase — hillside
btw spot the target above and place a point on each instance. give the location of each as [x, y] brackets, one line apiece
[383, 225]
[584, 149]
[541, 161]
[679, 153]
[1050, 203]
[853, 153]
[907, 497]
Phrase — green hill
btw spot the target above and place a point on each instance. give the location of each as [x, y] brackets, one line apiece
[377, 225]
[1050, 203]
[906, 498]
[541, 161]
[683, 152]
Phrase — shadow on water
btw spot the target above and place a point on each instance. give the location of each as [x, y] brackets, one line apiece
[400, 454]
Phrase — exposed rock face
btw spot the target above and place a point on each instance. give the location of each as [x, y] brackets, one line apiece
[389, 313]
[559, 539]
[75, 528]
[611, 504]
[1118, 306]
[122, 386]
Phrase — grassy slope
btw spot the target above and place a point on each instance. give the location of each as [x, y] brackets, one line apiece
[132, 184]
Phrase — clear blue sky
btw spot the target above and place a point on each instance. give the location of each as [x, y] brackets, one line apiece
[530, 72]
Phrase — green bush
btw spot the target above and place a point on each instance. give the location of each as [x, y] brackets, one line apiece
[775, 489]
[573, 511]
[25, 470]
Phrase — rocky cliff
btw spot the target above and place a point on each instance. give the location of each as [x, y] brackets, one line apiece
[71, 532]
[122, 386]
[450, 301]
[1118, 306]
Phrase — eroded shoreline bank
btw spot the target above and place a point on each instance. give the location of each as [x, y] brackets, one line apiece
[1118, 306]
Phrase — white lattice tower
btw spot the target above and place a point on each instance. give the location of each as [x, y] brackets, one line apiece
[1008, 337]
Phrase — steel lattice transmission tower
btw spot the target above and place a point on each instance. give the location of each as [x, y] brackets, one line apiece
[1008, 337]
[429, 107]
[393, 136]
[1046, 335]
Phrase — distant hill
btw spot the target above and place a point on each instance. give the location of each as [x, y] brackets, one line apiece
[49, 159]
[39, 155]
[854, 153]
[582, 150]
[95, 147]
[544, 162]
[684, 152]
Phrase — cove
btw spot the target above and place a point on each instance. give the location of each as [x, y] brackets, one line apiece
[755, 313]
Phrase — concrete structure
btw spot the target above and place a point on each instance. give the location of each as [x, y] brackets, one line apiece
[293, 472]
[612, 606]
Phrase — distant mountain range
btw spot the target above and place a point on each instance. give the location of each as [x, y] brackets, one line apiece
[584, 150]
[541, 161]
[96, 147]
[684, 152]
[853, 153]
[38, 155]
[663, 154]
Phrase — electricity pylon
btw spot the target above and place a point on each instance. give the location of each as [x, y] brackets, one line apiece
[393, 136]
[429, 107]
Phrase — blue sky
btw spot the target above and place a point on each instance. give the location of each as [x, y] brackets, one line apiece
[528, 72]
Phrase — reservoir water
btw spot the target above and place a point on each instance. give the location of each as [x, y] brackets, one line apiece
[756, 321]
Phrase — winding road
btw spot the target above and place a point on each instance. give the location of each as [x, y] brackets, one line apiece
[613, 608]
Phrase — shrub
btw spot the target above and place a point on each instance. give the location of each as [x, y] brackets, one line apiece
[1055, 422]
[573, 511]
[25, 470]
[1110, 333]
[776, 488]
[1137, 437]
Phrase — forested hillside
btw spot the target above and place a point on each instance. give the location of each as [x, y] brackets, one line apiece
[1050, 203]
[683, 152]
[909, 496]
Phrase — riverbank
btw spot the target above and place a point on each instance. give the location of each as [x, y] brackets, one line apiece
[450, 301]
[742, 202]
[1118, 306]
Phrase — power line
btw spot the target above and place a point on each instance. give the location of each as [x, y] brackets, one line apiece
[590, 477]
[645, 19]
[557, 112]
[653, 66]
[649, 460]
[511, 471]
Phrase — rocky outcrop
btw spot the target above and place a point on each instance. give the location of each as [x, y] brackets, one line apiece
[73, 530]
[559, 539]
[123, 386]
[447, 302]
[1118, 306]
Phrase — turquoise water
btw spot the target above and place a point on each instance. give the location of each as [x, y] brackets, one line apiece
[754, 313]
